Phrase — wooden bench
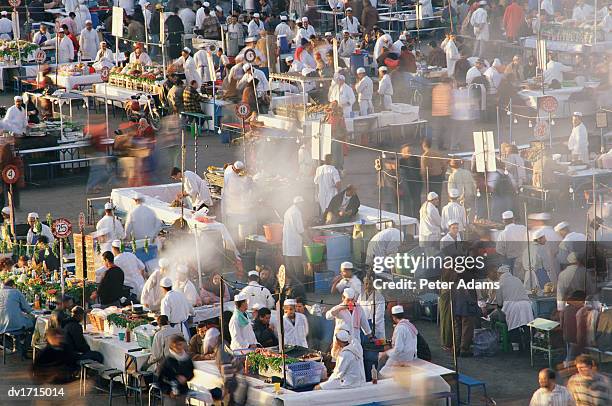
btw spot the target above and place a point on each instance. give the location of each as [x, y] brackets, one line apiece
[200, 117]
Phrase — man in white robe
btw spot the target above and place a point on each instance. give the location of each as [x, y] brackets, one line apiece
[295, 325]
[342, 94]
[511, 242]
[196, 188]
[539, 263]
[349, 371]
[236, 203]
[175, 305]
[571, 242]
[141, 221]
[132, 267]
[256, 294]
[16, 119]
[452, 237]
[152, 294]
[327, 179]
[480, 22]
[384, 243]
[201, 61]
[373, 304]
[65, 47]
[293, 237]
[89, 41]
[403, 343]
[385, 88]
[182, 284]
[430, 221]
[32, 235]
[305, 32]
[349, 316]
[454, 211]
[189, 66]
[109, 228]
[578, 142]
[365, 89]
[346, 279]
[513, 300]
[452, 54]
[140, 56]
[240, 327]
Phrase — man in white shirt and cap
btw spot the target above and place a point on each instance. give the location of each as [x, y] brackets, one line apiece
[513, 300]
[133, 268]
[293, 237]
[250, 73]
[240, 327]
[373, 304]
[571, 241]
[65, 47]
[305, 32]
[480, 21]
[152, 294]
[384, 243]
[554, 70]
[34, 233]
[256, 26]
[538, 221]
[430, 221]
[200, 14]
[349, 316]
[349, 371]
[452, 54]
[350, 22]
[327, 179]
[6, 27]
[578, 142]
[575, 277]
[346, 279]
[539, 263]
[141, 221]
[347, 46]
[475, 71]
[182, 284]
[452, 236]
[494, 76]
[109, 228]
[89, 41]
[16, 119]
[396, 48]
[454, 211]
[385, 88]
[283, 29]
[403, 343]
[196, 188]
[365, 89]
[236, 198]
[104, 57]
[511, 241]
[201, 63]
[188, 64]
[295, 325]
[342, 94]
[175, 305]
[384, 41]
[140, 56]
[257, 294]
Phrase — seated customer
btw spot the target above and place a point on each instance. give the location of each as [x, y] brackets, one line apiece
[342, 207]
[262, 328]
[203, 345]
[175, 371]
[53, 364]
[160, 347]
[74, 341]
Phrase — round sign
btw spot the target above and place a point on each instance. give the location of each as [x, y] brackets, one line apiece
[61, 228]
[281, 277]
[14, 3]
[104, 72]
[540, 129]
[243, 110]
[10, 174]
[40, 56]
[250, 55]
[549, 104]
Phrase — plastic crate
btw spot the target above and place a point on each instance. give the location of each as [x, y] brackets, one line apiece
[145, 341]
[303, 374]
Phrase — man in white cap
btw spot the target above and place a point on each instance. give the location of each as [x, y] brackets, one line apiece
[7, 233]
[349, 371]
[452, 54]
[152, 294]
[104, 56]
[480, 21]
[293, 65]
[251, 43]
[305, 32]
[6, 27]
[295, 325]
[236, 201]
[452, 237]
[342, 94]
[89, 41]
[141, 221]
[350, 22]
[181, 283]
[294, 233]
[554, 70]
[240, 328]
[16, 118]
[511, 242]
[257, 294]
[538, 221]
[365, 89]
[133, 268]
[37, 229]
[396, 48]
[476, 71]
[513, 300]
[571, 241]
[196, 188]
[346, 279]
[541, 267]
[256, 27]
[304, 54]
[349, 316]
[403, 343]
[186, 14]
[384, 243]
[575, 277]
[494, 76]
[454, 211]
[201, 64]
[283, 29]
[327, 179]
[140, 56]
[109, 227]
[346, 47]
[430, 221]
[251, 73]
[578, 142]
[384, 41]
[188, 65]
[385, 88]
[175, 305]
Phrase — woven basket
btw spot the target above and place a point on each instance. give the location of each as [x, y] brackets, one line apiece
[96, 321]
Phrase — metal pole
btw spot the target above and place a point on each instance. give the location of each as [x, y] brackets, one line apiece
[486, 173]
[183, 149]
[380, 185]
[197, 247]
[528, 242]
[282, 332]
[455, 361]
[221, 297]
[426, 179]
[12, 208]
[397, 191]
[498, 127]
[61, 261]
[510, 120]
[196, 127]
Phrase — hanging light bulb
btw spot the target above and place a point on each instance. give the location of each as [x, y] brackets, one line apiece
[530, 124]
[506, 171]
[219, 131]
[477, 192]
[552, 121]
[515, 120]
[384, 155]
[297, 140]
[571, 189]
[268, 139]
[508, 113]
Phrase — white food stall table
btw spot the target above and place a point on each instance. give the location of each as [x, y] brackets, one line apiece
[562, 95]
[115, 92]
[207, 312]
[70, 82]
[114, 350]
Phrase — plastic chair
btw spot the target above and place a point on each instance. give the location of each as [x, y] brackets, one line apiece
[470, 383]
[502, 329]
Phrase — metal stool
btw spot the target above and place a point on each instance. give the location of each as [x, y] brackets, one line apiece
[154, 394]
[103, 372]
[134, 380]
[16, 337]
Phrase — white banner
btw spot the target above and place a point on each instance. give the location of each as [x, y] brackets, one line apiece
[484, 151]
[117, 28]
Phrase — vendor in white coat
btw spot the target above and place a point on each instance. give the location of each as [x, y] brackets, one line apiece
[295, 325]
[104, 57]
[571, 241]
[341, 93]
[454, 211]
[196, 188]
[256, 294]
[182, 284]
[175, 305]
[539, 263]
[256, 26]
[426, 8]
[365, 90]
[6, 27]
[293, 236]
[384, 41]
[327, 179]
[383, 243]
[373, 304]
[141, 221]
[240, 328]
[350, 22]
[132, 267]
[152, 294]
[109, 228]
[452, 237]
[305, 32]
[385, 88]
[189, 66]
[16, 119]
[201, 62]
[511, 241]
[251, 73]
[139, 55]
[236, 198]
[283, 29]
[349, 371]
[349, 316]
[89, 41]
[554, 70]
[480, 21]
[494, 76]
[346, 279]
[403, 343]
[452, 54]
[32, 235]
[430, 221]
[578, 142]
[513, 300]
[65, 47]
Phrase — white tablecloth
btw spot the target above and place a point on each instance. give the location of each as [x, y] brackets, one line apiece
[114, 350]
[114, 92]
[70, 82]
[206, 375]
[562, 95]
[207, 312]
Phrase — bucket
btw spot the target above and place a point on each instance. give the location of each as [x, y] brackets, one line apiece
[322, 281]
[314, 252]
[273, 233]
[338, 246]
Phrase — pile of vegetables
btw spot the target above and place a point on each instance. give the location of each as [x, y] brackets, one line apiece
[12, 49]
[262, 360]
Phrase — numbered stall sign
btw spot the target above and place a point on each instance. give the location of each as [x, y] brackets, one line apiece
[549, 104]
[61, 228]
[40, 56]
[104, 73]
[540, 130]
[10, 174]
[243, 110]
[250, 55]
